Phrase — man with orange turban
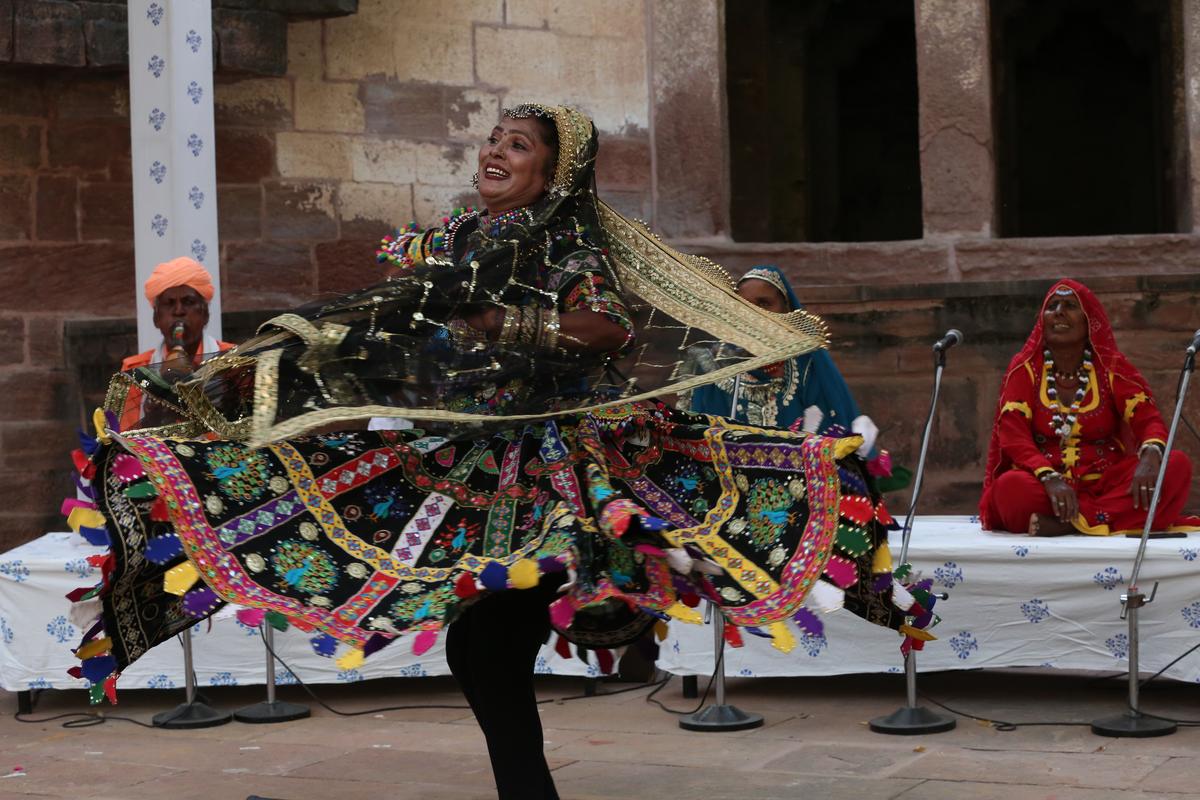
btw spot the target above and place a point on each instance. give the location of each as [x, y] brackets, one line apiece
[179, 290]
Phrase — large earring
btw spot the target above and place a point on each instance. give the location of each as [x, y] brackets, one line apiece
[475, 181]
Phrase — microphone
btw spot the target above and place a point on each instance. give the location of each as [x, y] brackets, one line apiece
[1195, 345]
[954, 336]
[177, 334]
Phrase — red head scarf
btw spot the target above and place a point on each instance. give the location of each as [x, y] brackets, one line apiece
[1104, 350]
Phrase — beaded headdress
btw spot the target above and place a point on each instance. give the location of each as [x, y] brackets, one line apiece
[767, 276]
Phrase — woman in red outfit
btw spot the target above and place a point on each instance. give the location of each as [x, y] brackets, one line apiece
[1077, 441]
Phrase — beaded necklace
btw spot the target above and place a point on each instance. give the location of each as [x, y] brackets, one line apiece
[1064, 423]
[497, 223]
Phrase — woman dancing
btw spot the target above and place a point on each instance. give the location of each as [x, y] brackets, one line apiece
[543, 487]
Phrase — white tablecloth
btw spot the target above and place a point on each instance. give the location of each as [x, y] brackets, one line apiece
[36, 636]
[1015, 601]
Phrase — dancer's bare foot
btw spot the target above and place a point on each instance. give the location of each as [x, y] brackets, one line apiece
[1042, 525]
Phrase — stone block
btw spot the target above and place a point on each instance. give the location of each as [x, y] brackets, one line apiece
[446, 164]
[325, 106]
[431, 203]
[346, 265]
[690, 136]
[624, 163]
[363, 45]
[22, 93]
[244, 156]
[266, 275]
[371, 210]
[48, 32]
[92, 97]
[45, 341]
[16, 202]
[836, 263]
[957, 182]
[20, 146]
[6, 31]
[449, 62]
[33, 394]
[602, 18]
[528, 60]
[405, 109]
[1083, 257]
[251, 41]
[106, 211]
[384, 161]
[12, 341]
[34, 278]
[954, 75]
[253, 102]
[239, 212]
[304, 50]
[33, 493]
[298, 8]
[471, 113]
[35, 446]
[87, 147]
[313, 155]
[299, 210]
[105, 33]
[57, 213]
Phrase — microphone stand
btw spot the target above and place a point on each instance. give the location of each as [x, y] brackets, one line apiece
[192, 713]
[271, 710]
[1132, 723]
[720, 716]
[912, 719]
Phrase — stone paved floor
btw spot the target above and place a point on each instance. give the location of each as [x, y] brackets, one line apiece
[815, 744]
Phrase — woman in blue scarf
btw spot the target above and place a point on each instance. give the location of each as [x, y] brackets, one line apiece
[806, 392]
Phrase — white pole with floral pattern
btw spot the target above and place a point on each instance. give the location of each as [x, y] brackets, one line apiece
[174, 163]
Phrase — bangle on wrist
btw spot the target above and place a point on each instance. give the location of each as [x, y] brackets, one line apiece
[510, 325]
[1049, 475]
[551, 325]
[1150, 446]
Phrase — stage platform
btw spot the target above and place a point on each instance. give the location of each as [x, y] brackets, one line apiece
[36, 636]
[1015, 601]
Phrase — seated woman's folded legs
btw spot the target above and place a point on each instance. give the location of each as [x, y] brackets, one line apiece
[1014, 498]
[1109, 502]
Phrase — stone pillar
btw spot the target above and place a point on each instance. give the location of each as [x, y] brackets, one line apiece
[958, 181]
[1191, 107]
[171, 128]
[689, 130]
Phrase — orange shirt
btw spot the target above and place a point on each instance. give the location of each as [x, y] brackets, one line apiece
[133, 401]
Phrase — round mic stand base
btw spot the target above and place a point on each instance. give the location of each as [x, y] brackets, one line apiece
[720, 718]
[1133, 725]
[191, 715]
[912, 722]
[271, 710]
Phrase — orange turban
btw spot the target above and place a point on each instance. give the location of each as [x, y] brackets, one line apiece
[182, 271]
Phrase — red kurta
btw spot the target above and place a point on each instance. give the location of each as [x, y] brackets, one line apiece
[1116, 416]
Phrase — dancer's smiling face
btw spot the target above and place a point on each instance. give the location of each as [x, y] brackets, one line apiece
[515, 164]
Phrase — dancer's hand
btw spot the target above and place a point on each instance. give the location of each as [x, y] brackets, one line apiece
[1063, 501]
[1141, 488]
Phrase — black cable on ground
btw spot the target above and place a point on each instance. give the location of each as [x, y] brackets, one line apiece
[703, 697]
[1002, 725]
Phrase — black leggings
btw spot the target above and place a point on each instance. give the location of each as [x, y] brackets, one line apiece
[491, 651]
